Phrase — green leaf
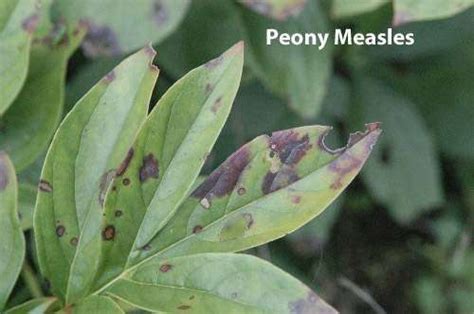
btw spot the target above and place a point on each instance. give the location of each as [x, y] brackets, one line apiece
[97, 304]
[12, 248]
[166, 158]
[89, 145]
[217, 283]
[118, 27]
[18, 20]
[41, 305]
[277, 9]
[26, 204]
[406, 11]
[268, 188]
[347, 8]
[404, 171]
[27, 127]
[298, 74]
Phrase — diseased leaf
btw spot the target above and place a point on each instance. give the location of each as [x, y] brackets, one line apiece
[297, 73]
[160, 168]
[18, 20]
[217, 283]
[404, 172]
[41, 305]
[86, 151]
[118, 27]
[97, 304]
[276, 9]
[347, 8]
[266, 189]
[27, 127]
[12, 245]
[406, 11]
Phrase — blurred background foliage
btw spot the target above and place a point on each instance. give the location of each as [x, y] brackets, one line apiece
[400, 239]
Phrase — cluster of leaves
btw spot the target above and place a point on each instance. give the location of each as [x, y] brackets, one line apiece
[421, 93]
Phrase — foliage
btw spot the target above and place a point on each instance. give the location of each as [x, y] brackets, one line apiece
[402, 232]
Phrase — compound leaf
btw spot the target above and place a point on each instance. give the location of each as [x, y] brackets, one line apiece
[12, 248]
[166, 158]
[81, 162]
[217, 283]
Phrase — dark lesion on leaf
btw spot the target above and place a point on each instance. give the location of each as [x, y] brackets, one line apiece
[108, 234]
[60, 230]
[149, 168]
[197, 229]
[184, 307]
[74, 241]
[290, 146]
[45, 186]
[214, 62]
[124, 164]
[165, 268]
[160, 12]
[224, 179]
[100, 40]
[104, 184]
[30, 23]
[217, 104]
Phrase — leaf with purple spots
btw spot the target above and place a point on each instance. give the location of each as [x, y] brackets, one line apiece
[118, 27]
[12, 248]
[239, 284]
[82, 161]
[268, 188]
[167, 157]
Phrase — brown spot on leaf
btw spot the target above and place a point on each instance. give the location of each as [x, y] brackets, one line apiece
[184, 307]
[217, 105]
[289, 146]
[191, 297]
[45, 186]
[160, 13]
[60, 230]
[74, 241]
[197, 229]
[249, 219]
[275, 181]
[146, 247]
[149, 168]
[105, 182]
[30, 23]
[108, 233]
[165, 268]
[100, 41]
[223, 180]
[209, 88]
[126, 181]
[118, 213]
[124, 165]
[241, 191]
[296, 199]
[342, 166]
